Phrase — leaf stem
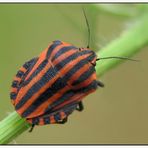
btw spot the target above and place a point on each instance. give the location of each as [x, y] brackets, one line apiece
[12, 126]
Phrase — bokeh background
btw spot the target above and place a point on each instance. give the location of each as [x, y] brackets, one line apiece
[116, 114]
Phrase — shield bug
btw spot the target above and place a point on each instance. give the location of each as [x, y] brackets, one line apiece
[49, 87]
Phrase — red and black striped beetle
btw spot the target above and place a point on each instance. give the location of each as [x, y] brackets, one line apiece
[51, 86]
[48, 88]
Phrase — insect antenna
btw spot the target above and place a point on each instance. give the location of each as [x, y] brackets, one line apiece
[114, 57]
[88, 27]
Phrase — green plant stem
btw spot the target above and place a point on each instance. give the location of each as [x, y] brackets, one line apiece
[12, 126]
[129, 43]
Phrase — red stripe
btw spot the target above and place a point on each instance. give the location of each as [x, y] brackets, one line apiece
[40, 60]
[57, 49]
[25, 89]
[52, 120]
[14, 90]
[86, 82]
[75, 98]
[41, 121]
[40, 110]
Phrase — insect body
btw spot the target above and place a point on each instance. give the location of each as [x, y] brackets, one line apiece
[48, 88]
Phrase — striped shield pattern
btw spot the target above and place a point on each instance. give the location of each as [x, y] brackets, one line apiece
[48, 88]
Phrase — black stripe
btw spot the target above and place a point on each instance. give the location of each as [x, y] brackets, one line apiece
[91, 57]
[52, 47]
[29, 63]
[13, 95]
[26, 66]
[46, 120]
[15, 84]
[92, 85]
[70, 93]
[86, 52]
[35, 121]
[72, 57]
[62, 51]
[57, 42]
[68, 109]
[36, 72]
[75, 68]
[19, 74]
[84, 76]
[57, 117]
[29, 66]
[37, 86]
[66, 96]
[57, 85]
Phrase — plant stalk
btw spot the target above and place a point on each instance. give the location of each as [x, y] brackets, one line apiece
[128, 44]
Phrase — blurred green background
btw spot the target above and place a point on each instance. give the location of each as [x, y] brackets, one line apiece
[116, 114]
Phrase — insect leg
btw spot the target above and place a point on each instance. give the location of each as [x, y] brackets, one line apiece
[63, 121]
[100, 84]
[32, 127]
[80, 106]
